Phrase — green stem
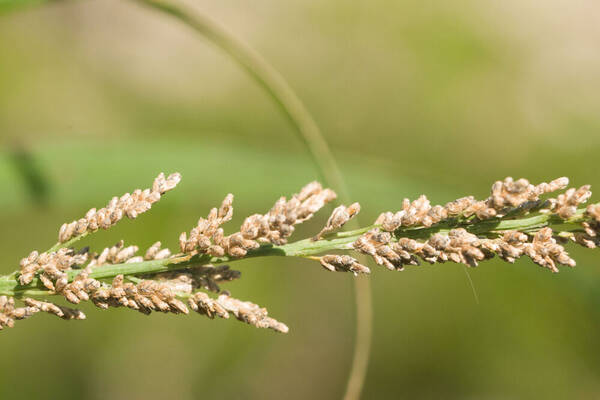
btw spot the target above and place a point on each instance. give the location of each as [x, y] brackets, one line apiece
[68, 243]
[10, 286]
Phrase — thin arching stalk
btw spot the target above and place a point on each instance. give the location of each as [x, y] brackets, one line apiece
[308, 131]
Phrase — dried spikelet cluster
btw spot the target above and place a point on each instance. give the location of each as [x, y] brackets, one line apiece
[159, 291]
[54, 309]
[116, 254]
[205, 277]
[145, 297]
[52, 265]
[505, 195]
[510, 193]
[9, 313]
[244, 311]
[130, 205]
[565, 205]
[590, 237]
[514, 221]
[52, 268]
[462, 247]
[156, 252]
[508, 198]
[274, 227]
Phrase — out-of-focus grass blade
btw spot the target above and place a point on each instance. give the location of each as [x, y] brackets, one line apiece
[32, 175]
[89, 172]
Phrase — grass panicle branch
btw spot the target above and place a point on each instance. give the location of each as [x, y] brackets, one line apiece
[517, 219]
[458, 240]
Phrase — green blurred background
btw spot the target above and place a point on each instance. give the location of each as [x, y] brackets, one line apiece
[414, 97]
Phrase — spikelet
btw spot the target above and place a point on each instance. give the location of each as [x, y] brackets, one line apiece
[506, 196]
[207, 236]
[114, 255]
[510, 193]
[205, 277]
[274, 227]
[52, 265]
[130, 205]
[203, 304]
[9, 313]
[155, 252]
[565, 205]
[460, 246]
[145, 297]
[343, 263]
[377, 244]
[244, 311]
[546, 252]
[593, 211]
[81, 288]
[54, 309]
[251, 313]
[590, 237]
[338, 218]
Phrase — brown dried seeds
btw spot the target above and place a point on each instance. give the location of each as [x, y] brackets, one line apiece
[129, 205]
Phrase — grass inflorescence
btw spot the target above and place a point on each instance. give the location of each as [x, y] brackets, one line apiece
[517, 219]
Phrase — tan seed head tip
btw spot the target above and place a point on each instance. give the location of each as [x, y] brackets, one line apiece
[561, 182]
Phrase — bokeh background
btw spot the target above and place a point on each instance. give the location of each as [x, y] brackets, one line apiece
[442, 98]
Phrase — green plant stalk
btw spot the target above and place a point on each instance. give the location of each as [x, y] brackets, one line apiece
[68, 243]
[302, 248]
